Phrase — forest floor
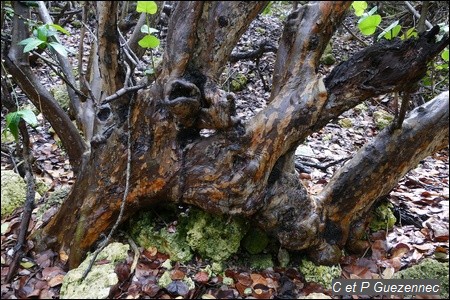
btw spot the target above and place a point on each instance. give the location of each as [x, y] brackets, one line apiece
[421, 197]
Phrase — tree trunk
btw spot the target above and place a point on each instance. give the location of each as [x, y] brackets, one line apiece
[247, 169]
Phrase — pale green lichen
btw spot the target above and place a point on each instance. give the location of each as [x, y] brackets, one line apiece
[13, 192]
[172, 243]
[100, 279]
[59, 92]
[238, 83]
[382, 119]
[383, 217]
[428, 269]
[320, 274]
[165, 279]
[214, 237]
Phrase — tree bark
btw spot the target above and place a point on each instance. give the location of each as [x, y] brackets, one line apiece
[247, 169]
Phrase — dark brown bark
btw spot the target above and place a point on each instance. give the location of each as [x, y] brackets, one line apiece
[244, 169]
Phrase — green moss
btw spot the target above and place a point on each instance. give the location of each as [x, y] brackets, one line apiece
[172, 243]
[55, 198]
[238, 83]
[382, 119]
[320, 274]
[59, 92]
[345, 123]
[261, 261]
[383, 217]
[428, 269]
[13, 192]
[98, 282]
[283, 257]
[214, 237]
[327, 56]
[361, 107]
[255, 241]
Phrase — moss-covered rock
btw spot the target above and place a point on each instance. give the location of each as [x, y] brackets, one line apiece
[320, 274]
[261, 261]
[382, 119]
[327, 56]
[100, 279]
[214, 237]
[59, 92]
[172, 243]
[14, 192]
[55, 198]
[211, 236]
[238, 83]
[345, 123]
[429, 269]
[383, 217]
[255, 241]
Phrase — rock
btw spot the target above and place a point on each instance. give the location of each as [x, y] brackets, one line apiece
[100, 279]
[315, 296]
[430, 269]
[211, 236]
[320, 274]
[59, 92]
[214, 237]
[14, 192]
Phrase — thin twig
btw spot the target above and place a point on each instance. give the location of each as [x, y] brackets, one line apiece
[354, 35]
[29, 204]
[122, 205]
[122, 92]
[416, 13]
[52, 66]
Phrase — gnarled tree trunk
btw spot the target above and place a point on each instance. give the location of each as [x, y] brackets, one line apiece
[247, 169]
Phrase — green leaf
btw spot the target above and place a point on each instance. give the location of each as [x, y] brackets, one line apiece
[391, 31]
[148, 7]
[148, 30]
[26, 264]
[367, 14]
[58, 48]
[32, 44]
[28, 116]
[42, 33]
[359, 7]
[26, 41]
[444, 55]
[409, 33]
[369, 24]
[59, 28]
[12, 123]
[149, 41]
